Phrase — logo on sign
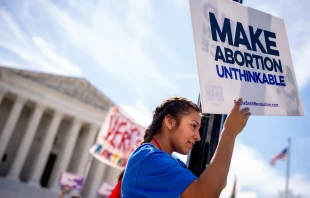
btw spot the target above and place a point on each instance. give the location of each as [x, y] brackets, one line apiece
[214, 92]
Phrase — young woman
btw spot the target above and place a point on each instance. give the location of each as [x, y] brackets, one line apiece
[151, 170]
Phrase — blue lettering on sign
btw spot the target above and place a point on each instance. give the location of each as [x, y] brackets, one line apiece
[267, 66]
[247, 60]
[240, 37]
[249, 76]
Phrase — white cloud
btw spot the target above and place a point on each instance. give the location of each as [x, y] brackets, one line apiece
[113, 39]
[38, 53]
[302, 61]
[182, 76]
[12, 25]
[139, 112]
[180, 4]
[50, 53]
[139, 14]
[254, 173]
[250, 194]
[113, 45]
[181, 157]
[167, 53]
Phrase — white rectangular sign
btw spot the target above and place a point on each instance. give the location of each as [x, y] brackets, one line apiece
[243, 53]
[117, 139]
[71, 180]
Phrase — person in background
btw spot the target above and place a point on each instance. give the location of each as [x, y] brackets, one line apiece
[64, 191]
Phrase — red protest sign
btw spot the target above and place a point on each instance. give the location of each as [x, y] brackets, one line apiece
[118, 137]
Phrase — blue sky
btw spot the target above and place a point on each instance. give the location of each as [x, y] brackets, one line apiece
[139, 52]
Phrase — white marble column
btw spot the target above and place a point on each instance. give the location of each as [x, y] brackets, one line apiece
[45, 149]
[95, 179]
[2, 94]
[83, 163]
[88, 143]
[10, 124]
[112, 176]
[26, 142]
[66, 152]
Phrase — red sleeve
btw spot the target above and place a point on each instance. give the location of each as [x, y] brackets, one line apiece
[116, 193]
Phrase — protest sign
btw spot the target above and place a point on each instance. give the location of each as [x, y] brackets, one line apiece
[243, 53]
[105, 189]
[117, 139]
[71, 180]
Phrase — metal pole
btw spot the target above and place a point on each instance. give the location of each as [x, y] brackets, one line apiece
[239, 1]
[210, 130]
[288, 168]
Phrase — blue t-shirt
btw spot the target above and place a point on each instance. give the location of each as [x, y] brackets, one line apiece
[151, 172]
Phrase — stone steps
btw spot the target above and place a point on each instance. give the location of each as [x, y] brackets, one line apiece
[14, 189]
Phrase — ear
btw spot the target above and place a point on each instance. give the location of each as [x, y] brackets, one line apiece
[170, 122]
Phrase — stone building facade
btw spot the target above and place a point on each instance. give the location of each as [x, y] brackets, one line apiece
[47, 125]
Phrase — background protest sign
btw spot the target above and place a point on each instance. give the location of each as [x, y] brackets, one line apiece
[242, 52]
[72, 180]
[117, 139]
[105, 189]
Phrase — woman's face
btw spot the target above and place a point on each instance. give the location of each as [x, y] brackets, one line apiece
[184, 136]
